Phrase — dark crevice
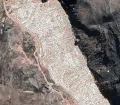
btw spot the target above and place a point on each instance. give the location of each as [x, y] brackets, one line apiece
[108, 18]
[117, 42]
[43, 1]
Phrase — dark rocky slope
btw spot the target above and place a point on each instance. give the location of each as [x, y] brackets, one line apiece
[96, 24]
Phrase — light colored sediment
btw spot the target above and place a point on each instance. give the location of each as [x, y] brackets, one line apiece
[58, 53]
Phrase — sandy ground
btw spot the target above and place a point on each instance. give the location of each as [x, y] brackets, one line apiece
[58, 53]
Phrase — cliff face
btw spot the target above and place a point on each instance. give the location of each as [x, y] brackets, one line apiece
[96, 24]
[40, 64]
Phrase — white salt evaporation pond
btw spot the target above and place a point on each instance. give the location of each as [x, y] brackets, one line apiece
[64, 60]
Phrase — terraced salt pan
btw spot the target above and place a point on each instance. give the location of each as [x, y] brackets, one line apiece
[58, 53]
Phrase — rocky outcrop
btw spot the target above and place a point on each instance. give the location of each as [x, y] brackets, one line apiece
[96, 24]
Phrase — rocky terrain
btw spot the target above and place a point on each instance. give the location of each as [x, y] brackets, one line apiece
[39, 62]
[96, 25]
[23, 79]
